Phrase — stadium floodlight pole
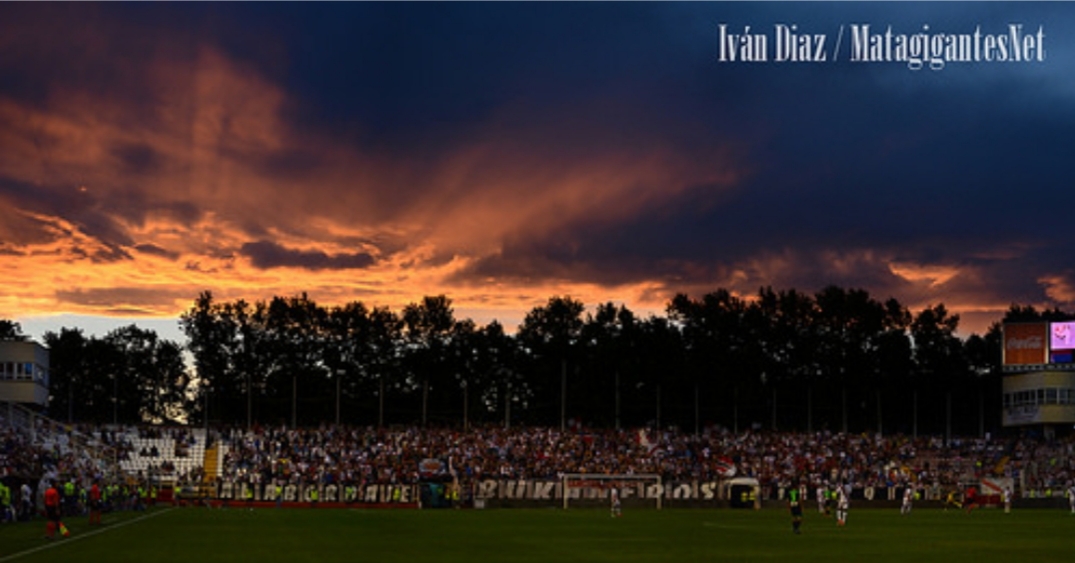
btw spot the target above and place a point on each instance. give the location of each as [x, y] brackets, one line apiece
[772, 424]
[249, 401]
[843, 408]
[697, 410]
[617, 399]
[735, 411]
[658, 406]
[947, 418]
[205, 395]
[115, 399]
[914, 423]
[425, 400]
[380, 401]
[465, 397]
[70, 401]
[880, 420]
[563, 394]
[507, 406]
[339, 378]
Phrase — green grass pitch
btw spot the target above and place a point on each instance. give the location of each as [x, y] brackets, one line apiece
[201, 535]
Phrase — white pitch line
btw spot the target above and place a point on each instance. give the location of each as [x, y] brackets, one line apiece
[51, 545]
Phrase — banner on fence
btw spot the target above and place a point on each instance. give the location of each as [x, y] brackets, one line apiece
[531, 490]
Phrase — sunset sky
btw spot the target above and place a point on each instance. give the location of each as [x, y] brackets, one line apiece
[504, 153]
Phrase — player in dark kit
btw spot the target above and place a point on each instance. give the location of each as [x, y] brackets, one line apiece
[796, 506]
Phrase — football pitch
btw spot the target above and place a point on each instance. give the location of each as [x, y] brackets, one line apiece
[269, 535]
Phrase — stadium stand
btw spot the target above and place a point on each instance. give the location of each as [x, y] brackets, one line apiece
[33, 447]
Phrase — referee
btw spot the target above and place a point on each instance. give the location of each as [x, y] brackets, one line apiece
[796, 506]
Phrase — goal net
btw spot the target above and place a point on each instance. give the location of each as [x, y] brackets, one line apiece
[592, 490]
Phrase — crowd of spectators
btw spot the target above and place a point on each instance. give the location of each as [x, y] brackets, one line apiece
[357, 455]
[44, 452]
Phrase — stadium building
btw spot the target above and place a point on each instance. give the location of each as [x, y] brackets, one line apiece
[24, 373]
[1039, 375]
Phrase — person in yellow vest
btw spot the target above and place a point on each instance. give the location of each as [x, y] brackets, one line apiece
[143, 494]
[7, 514]
[69, 500]
[315, 495]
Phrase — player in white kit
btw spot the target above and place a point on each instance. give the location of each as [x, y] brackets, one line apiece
[843, 503]
[908, 500]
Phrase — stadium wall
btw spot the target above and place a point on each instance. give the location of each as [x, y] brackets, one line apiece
[532, 493]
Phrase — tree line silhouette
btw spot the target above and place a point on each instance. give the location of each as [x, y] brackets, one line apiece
[836, 360]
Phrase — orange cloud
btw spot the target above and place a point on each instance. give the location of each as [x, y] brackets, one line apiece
[1058, 288]
[931, 274]
[205, 185]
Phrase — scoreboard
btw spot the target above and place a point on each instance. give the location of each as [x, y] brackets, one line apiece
[1039, 345]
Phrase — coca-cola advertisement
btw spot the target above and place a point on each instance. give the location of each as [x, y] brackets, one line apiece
[1024, 343]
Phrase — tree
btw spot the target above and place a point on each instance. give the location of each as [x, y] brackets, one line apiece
[294, 345]
[11, 330]
[654, 349]
[984, 356]
[462, 361]
[249, 354]
[850, 325]
[783, 340]
[717, 353]
[151, 380]
[69, 375]
[427, 330]
[895, 362]
[498, 368]
[385, 342]
[551, 334]
[210, 340]
[606, 336]
[940, 366]
[348, 350]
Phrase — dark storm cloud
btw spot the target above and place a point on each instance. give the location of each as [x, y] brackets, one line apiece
[156, 251]
[138, 158]
[135, 298]
[37, 209]
[266, 254]
[535, 143]
[939, 168]
[104, 218]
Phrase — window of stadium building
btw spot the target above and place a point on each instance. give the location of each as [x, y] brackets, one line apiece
[1046, 396]
[19, 370]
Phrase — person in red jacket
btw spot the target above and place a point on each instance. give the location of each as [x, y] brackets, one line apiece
[52, 513]
[95, 503]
